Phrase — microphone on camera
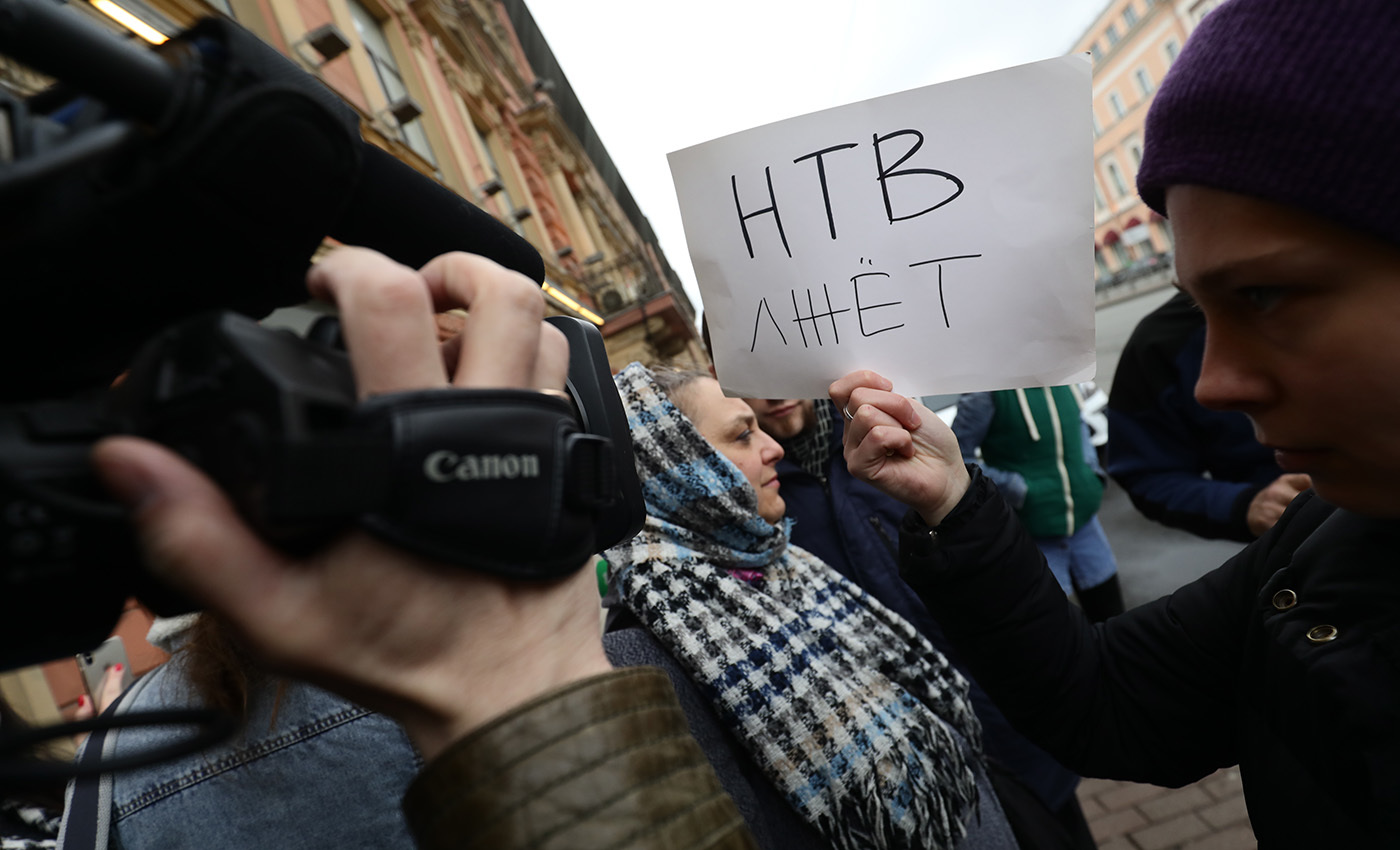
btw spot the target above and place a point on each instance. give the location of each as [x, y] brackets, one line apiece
[147, 187]
[399, 212]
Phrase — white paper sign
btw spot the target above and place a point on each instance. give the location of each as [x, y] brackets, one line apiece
[941, 236]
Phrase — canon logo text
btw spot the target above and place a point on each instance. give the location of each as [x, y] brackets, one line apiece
[445, 466]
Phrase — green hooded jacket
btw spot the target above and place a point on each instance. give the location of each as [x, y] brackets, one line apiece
[1037, 433]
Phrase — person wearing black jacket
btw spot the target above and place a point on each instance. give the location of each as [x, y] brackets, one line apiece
[1269, 147]
[1182, 464]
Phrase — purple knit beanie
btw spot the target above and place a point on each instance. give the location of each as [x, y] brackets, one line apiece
[1291, 101]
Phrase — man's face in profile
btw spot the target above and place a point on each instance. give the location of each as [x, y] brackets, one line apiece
[783, 418]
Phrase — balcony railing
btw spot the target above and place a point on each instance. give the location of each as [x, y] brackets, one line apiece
[1143, 276]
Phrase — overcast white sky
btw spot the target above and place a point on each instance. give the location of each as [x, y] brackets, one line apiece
[659, 75]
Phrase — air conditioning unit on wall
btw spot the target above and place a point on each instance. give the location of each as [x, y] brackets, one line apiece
[611, 301]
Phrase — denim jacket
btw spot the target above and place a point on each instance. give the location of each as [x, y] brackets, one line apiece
[308, 770]
[606, 761]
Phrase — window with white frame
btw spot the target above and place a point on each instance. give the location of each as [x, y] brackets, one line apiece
[1098, 129]
[386, 70]
[1130, 16]
[499, 187]
[1094, 52]
[1172, 49]
[1116, 101]
[1135, 151]
[1115, 177]
[1099, 203]
[1143, 80]
[1111, 34]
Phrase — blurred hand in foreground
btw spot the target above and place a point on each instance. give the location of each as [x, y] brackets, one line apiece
[442, 649]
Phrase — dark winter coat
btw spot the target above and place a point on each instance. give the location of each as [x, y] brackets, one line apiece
[1162, 443]
[855, 528]
[1286, 661]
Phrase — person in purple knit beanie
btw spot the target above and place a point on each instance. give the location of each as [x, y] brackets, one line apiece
[1273, 148]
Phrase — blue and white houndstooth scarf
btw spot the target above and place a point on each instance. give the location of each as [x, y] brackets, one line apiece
[843, 705]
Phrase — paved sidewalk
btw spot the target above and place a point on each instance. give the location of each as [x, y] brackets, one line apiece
[1208, 815]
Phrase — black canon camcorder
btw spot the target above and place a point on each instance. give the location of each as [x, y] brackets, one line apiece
[152, 203]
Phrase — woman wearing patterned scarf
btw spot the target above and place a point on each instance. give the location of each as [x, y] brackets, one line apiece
[856, 721]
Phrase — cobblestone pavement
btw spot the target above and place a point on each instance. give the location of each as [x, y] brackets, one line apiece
[1208, 815]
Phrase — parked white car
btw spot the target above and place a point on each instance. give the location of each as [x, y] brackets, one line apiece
[946, 406]
[1093, 407]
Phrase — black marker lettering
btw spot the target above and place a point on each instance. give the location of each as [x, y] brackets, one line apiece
[762, 306]
[832, 313]
[821, 177]
[944, 259]
[798, 313]
[940, 261]
[744, 218]
[941, 302]
[885, 174]
[812, 316]
[860, 311]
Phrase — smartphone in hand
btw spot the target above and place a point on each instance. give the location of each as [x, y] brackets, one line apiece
[94, 664]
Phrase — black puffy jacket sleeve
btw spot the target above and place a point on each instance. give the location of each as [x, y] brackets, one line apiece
[1148, 696]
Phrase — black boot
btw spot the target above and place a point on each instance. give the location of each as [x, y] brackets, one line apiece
[1101, 601]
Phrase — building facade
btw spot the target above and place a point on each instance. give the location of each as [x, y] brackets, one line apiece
[467, 92]
[1132, 44]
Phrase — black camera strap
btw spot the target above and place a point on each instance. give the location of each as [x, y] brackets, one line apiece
[87, 811]
[87, 815]
[499, 480]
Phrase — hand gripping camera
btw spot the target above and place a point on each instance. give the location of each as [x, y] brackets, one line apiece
[513, 482]
[239, 164]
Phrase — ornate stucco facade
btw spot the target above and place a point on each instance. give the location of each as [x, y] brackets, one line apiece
[1132, 44]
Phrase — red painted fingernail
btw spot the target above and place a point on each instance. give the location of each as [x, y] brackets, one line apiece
[117, 667]
[82, 702]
